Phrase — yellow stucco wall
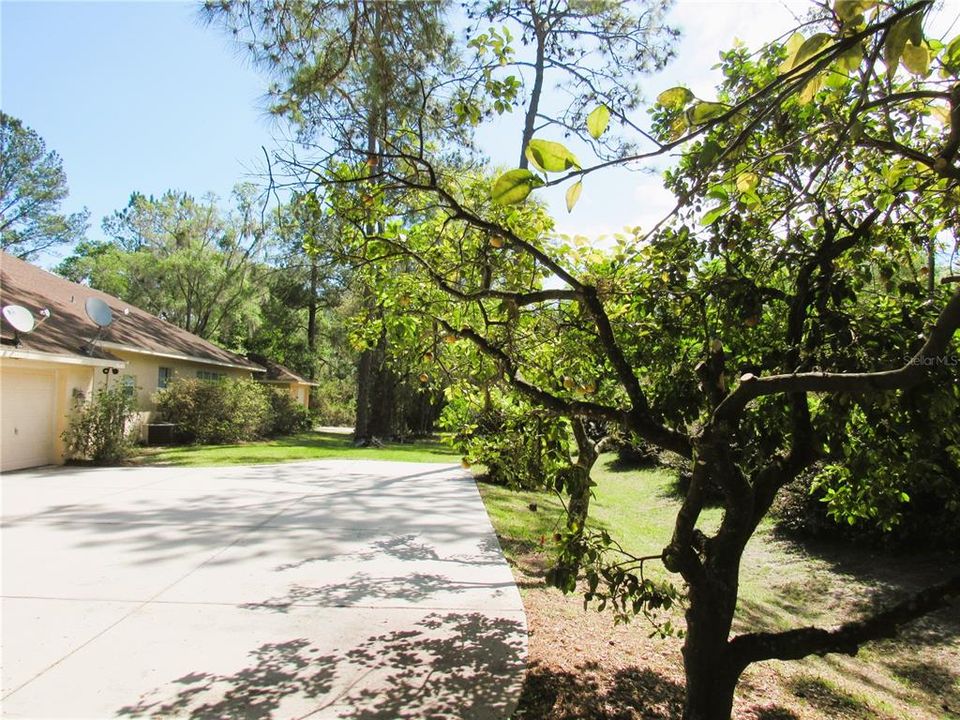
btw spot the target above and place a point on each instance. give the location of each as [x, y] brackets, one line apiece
[145, 371]
[298, 391]
[69, 381]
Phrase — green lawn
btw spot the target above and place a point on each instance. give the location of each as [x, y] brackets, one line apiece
[783, 585]
[304, 446]
[636, 507]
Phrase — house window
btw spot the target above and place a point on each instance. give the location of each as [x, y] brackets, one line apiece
[164, 376]
[212, 376]
[129, 385]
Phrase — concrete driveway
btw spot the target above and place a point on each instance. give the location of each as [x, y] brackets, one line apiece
[329, 589]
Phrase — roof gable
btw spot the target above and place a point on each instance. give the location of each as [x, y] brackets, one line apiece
[279, 373]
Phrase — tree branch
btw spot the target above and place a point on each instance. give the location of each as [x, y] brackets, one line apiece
[915, 370]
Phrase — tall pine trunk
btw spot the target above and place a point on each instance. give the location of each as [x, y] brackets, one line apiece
[530, 119]
[382, 393]
[361, 428]
[367, 362]
[312, 314]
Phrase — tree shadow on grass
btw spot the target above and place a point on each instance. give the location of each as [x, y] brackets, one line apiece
[342, 442]
[858, 584]
[884, 569]
[453, 665]
[774, 712]
[939, 685]
[831, 700]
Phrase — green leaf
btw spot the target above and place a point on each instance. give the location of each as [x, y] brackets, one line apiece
[811, 47]
[705, 111]
[573, 194]
[940, 113]
[719, 192]
[709, 152]
[751, 199]
[747, 182]
[550, 156]
[916, 59]
[678, 127]
[851, 59]
[915, 28]
[836, 80]
[675, 98]
[810, 90]
[850, 10]
[951, 58]
[597, 121]
[893, 48]
[713, 215]
[513, 187]
[793, 47]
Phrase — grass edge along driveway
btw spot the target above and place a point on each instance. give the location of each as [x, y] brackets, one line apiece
[312, 445]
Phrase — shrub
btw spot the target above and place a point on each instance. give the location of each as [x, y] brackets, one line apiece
[97, 430]
[332, 403]
[520, 447]
[287, 415]
[894, 478]
[928, 519]
[221, 412]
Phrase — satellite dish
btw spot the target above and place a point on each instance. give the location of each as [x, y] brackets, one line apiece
[19, 317]
[99, 312]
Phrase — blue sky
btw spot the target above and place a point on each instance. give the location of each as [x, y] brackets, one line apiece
[133, 96]
[140, 96]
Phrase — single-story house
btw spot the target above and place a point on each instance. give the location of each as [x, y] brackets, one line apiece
[67, 356]
[283, 378]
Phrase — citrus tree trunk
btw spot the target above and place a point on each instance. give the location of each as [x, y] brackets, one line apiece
[710, 675]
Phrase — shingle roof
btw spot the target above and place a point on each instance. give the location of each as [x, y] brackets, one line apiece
[279, 373]
[69, 331]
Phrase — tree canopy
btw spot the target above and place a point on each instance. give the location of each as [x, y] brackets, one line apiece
[560, 61]
[182, 259]
[32, 187]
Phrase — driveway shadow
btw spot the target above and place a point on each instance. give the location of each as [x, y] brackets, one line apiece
[363, 588]
[448, 665]
[147, 527]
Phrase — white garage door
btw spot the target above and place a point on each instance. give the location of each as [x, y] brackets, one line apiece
[27, 419]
